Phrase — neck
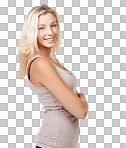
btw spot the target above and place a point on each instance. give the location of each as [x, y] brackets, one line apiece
[46, 53]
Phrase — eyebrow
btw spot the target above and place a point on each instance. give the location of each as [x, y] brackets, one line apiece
[44, 24]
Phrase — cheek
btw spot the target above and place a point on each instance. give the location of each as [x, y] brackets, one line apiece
[40, 35]
[38, 38]
[56, 31]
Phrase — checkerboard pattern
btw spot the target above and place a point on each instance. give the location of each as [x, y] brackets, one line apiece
[93, 48]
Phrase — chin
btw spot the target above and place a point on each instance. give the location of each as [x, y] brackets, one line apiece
[50, 46]
[47, 47]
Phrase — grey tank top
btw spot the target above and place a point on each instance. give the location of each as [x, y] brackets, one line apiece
[59, 128]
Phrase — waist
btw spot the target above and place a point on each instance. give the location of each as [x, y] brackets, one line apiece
[60, 117]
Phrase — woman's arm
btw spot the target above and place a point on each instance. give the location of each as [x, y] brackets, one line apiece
[83, 98]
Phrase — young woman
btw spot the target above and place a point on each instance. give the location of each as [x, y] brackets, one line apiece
[54, 85]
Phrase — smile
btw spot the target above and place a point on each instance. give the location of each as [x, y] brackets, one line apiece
[49, 39]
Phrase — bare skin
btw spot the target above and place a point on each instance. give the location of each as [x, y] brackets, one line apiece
[83, 98]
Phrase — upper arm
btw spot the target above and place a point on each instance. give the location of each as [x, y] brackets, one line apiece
[46, 74]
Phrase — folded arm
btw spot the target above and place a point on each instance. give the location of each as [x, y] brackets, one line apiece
[83, 98]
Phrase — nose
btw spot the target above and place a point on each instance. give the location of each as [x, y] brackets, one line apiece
[49, 31]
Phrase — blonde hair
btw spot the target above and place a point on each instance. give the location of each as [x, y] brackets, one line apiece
[28, 46]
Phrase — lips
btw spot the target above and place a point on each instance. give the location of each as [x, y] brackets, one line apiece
[49, 40]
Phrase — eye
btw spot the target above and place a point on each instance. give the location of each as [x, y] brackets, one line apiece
[41, 28]
[54, 25]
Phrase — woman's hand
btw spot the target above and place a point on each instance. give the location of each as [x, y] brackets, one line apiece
[78, 94]
[81, 96]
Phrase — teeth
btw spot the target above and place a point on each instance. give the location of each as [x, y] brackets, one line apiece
[49, 39]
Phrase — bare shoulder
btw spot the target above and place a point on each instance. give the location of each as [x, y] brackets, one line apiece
[41, 62]
[45, 70]
[38, 66]
[41, 65]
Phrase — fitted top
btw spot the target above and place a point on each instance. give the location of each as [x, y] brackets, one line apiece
[59, 129]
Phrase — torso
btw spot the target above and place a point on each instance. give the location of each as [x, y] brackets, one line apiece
[41, 85]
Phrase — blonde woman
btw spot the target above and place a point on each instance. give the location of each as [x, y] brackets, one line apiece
[54, 85]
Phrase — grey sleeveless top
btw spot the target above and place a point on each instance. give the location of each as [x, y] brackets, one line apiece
[59, 128]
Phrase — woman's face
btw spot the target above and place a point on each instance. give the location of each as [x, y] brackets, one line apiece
[47, 31]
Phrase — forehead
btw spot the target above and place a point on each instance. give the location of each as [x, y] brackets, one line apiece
[46, 18]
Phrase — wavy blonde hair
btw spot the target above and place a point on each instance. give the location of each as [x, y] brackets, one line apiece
[28, 46]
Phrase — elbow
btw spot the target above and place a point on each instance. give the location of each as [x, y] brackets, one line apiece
[84, 114]
[85, 111]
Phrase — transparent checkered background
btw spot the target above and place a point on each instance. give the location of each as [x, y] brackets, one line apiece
[93, 48]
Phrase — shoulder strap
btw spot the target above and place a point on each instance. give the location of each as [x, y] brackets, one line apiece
[30, 66]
